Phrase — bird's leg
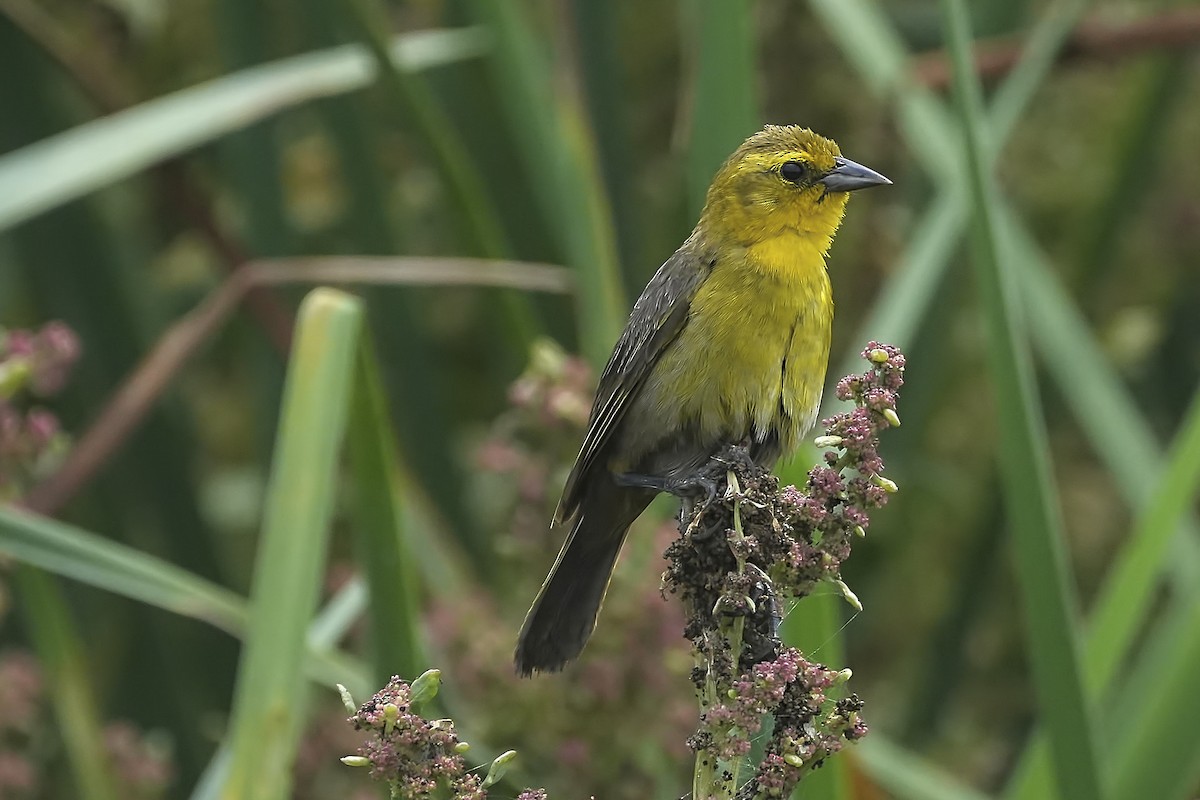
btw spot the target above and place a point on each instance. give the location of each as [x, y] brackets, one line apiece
[683, 486]
[688, 488]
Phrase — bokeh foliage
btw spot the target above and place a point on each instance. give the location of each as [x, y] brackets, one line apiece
[150, 151]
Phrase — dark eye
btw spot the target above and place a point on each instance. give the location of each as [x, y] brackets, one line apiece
[793, 171]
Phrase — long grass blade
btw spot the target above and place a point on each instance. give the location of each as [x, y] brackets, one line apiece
[64, 167]
[456, 163]
[560, 160]
[1051, 616]
[597, 34]
[268, 710]
[73, 553]
[904, 775]
[451, 155]
[1125, 442]
[70, 685]
[93, 560]
[252, 157]
[723, 91]
[1139, 152]
[1157, 753]
[339, 614]
[379, 522]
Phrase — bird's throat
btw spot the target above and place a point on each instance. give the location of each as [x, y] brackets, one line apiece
[791, 257]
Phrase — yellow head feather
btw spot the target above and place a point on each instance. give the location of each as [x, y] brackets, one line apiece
[754, 196]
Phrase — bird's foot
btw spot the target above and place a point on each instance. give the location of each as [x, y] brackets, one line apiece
[738, 455]
[762, 631]
[765, 597]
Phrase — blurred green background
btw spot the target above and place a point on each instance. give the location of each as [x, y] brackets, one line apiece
[174, 177]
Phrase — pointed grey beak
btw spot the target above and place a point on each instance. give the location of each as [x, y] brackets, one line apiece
[847, 176]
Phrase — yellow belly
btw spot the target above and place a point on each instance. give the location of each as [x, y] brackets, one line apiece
[751, 360]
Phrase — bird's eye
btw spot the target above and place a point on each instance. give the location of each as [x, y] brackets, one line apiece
[792, 171]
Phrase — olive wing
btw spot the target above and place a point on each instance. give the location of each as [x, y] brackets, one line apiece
[658, 316]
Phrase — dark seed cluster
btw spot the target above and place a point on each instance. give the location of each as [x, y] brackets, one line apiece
[753, 549]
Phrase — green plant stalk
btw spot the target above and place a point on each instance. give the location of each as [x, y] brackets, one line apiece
[251, 155]
[704, 777]
[1126, 443]
[453, 159]
[738, 629]
[710, 777]
[907, 775]
[598, 37]
[723, 96]
[378, 514]
[560, 158]
[269, 709]
[1156, 753]
[69, 684]
[1030, 495]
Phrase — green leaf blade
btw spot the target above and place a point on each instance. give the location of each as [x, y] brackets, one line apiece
[268, 710]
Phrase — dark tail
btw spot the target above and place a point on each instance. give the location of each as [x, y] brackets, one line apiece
[564, 613]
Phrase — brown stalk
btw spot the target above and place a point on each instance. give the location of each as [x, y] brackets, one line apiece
[1093, 40]
[143, 386]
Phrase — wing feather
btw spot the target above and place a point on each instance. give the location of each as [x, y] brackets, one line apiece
[658, 316]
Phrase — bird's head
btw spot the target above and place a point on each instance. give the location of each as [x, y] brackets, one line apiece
[783, 177]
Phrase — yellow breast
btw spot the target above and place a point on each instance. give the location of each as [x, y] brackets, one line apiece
[752, 357]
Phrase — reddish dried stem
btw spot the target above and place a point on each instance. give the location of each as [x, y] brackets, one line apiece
[1093, 39]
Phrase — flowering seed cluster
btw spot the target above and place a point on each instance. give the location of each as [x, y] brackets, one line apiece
[139, 764]
[742, 558]
[35, 364]
[809, 725]
[412, 754]
[416, 757]
[833, 509]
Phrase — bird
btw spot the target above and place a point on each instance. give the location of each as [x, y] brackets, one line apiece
[728, 343]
